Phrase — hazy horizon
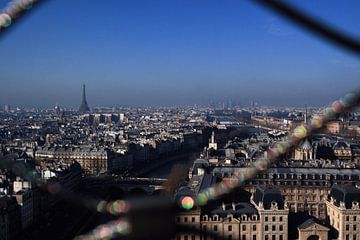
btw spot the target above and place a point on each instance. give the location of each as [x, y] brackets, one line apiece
[168, 53]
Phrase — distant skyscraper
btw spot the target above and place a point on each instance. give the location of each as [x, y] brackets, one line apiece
[57, 110]
[84, 107]
[7, 108]
[121, 117]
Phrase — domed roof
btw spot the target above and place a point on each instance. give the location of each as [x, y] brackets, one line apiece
[341, 144]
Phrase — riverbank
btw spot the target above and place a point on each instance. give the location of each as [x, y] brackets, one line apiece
[162, 167]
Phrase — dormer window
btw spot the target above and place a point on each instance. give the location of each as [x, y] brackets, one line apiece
[274, 205]
[355, 205]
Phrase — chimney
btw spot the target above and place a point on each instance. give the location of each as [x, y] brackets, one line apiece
[233, 206]
[223, 206]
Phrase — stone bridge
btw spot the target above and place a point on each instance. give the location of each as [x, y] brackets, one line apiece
[132, 185]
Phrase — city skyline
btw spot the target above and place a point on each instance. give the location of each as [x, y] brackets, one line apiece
[141, 53]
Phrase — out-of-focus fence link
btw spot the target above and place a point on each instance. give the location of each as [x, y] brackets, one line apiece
[134, 214]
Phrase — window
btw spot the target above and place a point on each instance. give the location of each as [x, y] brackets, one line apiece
[281, 237]
[273, 228]
[347, 218]
[243, 237]
[215, 228]
[185, 237]
[192, 237]
[266, 228]
[354, 237]
[185, 219]
[254, 237]
[230, 237]
[273, 219]
[193, 219]
[354, 218]
[347, 227]
[244, 227]
[204, 228]
[354, 227]
[229, 228]
[266, 219]
[273, 237]
[281, 227]
[254, 227]
[266, 237]
[280, 219]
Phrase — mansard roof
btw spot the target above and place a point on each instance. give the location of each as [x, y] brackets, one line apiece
[267, 195]
[345, 194]
[341, 144]
[236, 209]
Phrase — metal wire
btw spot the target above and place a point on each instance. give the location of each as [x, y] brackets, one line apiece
[14, 11]
[312, 25]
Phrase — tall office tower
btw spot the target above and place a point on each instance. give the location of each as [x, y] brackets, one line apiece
[7, 108]
[57, 110]
[84, 108]
[121, 117]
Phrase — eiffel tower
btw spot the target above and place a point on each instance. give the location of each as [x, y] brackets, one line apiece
[84, 107]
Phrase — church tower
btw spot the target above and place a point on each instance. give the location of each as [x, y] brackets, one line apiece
[305, 150]
[212, 143]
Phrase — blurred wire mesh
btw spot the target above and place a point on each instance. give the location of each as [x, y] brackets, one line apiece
[154, 217]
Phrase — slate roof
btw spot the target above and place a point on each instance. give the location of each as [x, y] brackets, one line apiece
[267, 195]
[240, 209]
[309, 223]
[341, 144]
[346, 194]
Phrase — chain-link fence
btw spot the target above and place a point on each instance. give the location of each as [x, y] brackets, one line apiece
[154, 217]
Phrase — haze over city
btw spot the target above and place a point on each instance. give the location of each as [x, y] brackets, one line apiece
[174, 53]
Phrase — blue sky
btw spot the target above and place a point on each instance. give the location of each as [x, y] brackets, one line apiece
[174, 52]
